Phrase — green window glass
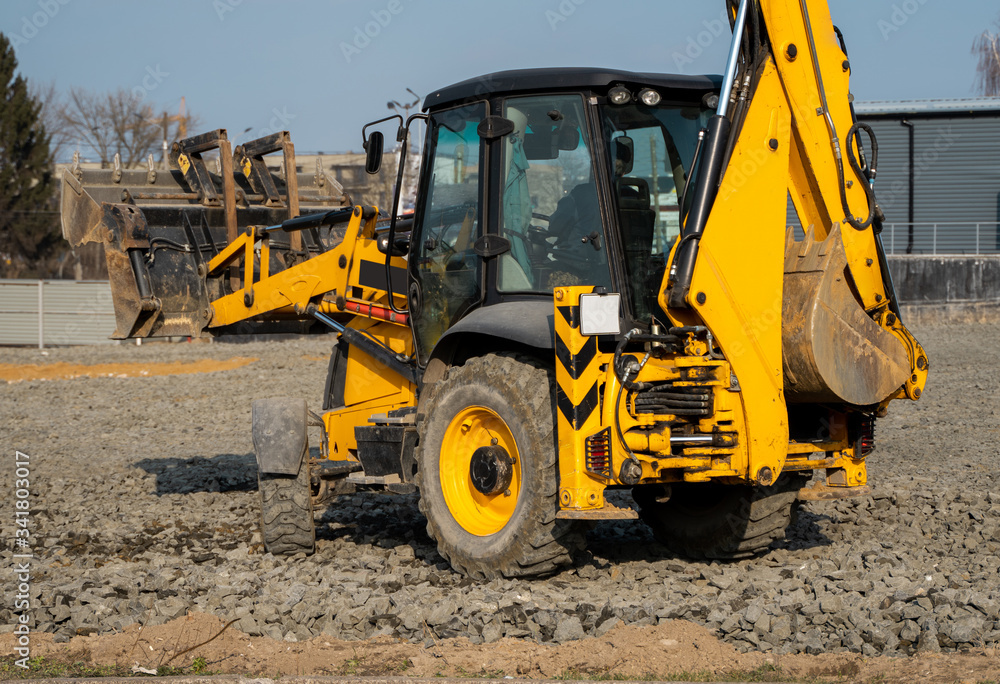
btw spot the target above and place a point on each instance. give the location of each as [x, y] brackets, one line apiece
[549, 208]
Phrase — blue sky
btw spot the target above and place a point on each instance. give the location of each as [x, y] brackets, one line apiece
[322, 69]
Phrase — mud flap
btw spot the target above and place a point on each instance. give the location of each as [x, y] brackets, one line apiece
[832, 349]
[279, 434]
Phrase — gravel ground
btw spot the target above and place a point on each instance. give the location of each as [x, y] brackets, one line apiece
[144, 507]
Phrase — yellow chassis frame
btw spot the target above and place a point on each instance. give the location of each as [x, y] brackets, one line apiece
[330, 281]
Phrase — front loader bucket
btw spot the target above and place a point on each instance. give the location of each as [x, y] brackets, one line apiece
[161, 227]
[832, 350]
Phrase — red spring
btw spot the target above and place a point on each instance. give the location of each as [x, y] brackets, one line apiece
[598, 457]
[597, 461]
[866, 438]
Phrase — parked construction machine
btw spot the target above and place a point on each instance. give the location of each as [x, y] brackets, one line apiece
[597, 290]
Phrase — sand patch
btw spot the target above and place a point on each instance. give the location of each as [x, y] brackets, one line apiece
[69, 371]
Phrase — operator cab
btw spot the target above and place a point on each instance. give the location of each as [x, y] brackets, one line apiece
[541, 178]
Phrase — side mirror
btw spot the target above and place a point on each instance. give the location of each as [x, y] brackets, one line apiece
[624, 154]
[493, 127]
[373, 152]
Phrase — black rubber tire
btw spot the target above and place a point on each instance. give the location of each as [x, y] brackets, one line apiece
[286, 512]
[533, 542]
[717, 521]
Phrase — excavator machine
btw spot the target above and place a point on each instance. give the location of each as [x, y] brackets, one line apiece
[597, 290]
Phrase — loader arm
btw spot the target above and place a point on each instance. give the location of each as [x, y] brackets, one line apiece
[799, 320]
[245, 249]
[249, 250]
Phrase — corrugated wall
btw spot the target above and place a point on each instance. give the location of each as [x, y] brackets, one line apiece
[74, 312]
[956, 169]
[956, 181]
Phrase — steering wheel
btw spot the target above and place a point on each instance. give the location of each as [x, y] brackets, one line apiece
[538, 235]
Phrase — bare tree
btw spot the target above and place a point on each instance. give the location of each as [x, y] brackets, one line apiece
[48, 97]
[117, 123]
[986, 47]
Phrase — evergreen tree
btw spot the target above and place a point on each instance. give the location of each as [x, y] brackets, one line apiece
[29, 227]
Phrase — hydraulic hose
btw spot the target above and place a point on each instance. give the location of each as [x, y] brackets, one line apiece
[866, 179]
[870, 170]
[835, 141]
[623, 375]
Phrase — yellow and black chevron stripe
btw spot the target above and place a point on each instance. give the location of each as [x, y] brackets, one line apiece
[576, 375]
[578, 385]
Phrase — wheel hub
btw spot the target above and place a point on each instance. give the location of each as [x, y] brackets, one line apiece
[480, 470]
[491, 469]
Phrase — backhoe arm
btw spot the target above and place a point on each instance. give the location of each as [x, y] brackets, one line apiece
[800, 321]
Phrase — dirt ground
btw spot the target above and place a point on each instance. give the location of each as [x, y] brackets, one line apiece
[671, 650]
[96, 404]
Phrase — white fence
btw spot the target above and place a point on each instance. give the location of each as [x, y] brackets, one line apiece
[68, 312]
[55, 312]
[941, 239]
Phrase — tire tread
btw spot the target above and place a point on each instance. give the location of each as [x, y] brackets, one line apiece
[762, 516]
[544, 543]
[286, 515]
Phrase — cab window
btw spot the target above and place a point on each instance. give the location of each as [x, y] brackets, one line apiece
[649, 150]
[549, 210]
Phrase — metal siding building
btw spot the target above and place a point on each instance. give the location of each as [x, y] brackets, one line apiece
[73, 312]
[956, 174]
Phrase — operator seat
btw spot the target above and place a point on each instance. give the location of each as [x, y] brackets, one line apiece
[637, 218]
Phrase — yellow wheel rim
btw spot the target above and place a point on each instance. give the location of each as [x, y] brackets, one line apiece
[479, 514]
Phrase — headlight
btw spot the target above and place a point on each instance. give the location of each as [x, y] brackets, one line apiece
[650, 97]
[619, 95]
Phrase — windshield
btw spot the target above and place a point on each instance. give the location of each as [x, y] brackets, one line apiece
[650, 150]
[549, 208]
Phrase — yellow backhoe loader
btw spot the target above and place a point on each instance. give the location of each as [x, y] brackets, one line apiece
[597, 290]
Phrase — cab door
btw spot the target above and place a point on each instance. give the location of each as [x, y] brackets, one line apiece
[445, 276]
[549, 208]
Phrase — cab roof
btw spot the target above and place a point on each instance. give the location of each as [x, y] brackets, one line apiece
[564, 78]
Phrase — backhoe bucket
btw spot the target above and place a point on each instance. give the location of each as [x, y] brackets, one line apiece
[832, 350]
[160, 228]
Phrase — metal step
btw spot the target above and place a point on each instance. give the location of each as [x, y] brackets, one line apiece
[608, 512]
[389, 483]
[404, 416]
[331, 469]
[362, 479]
